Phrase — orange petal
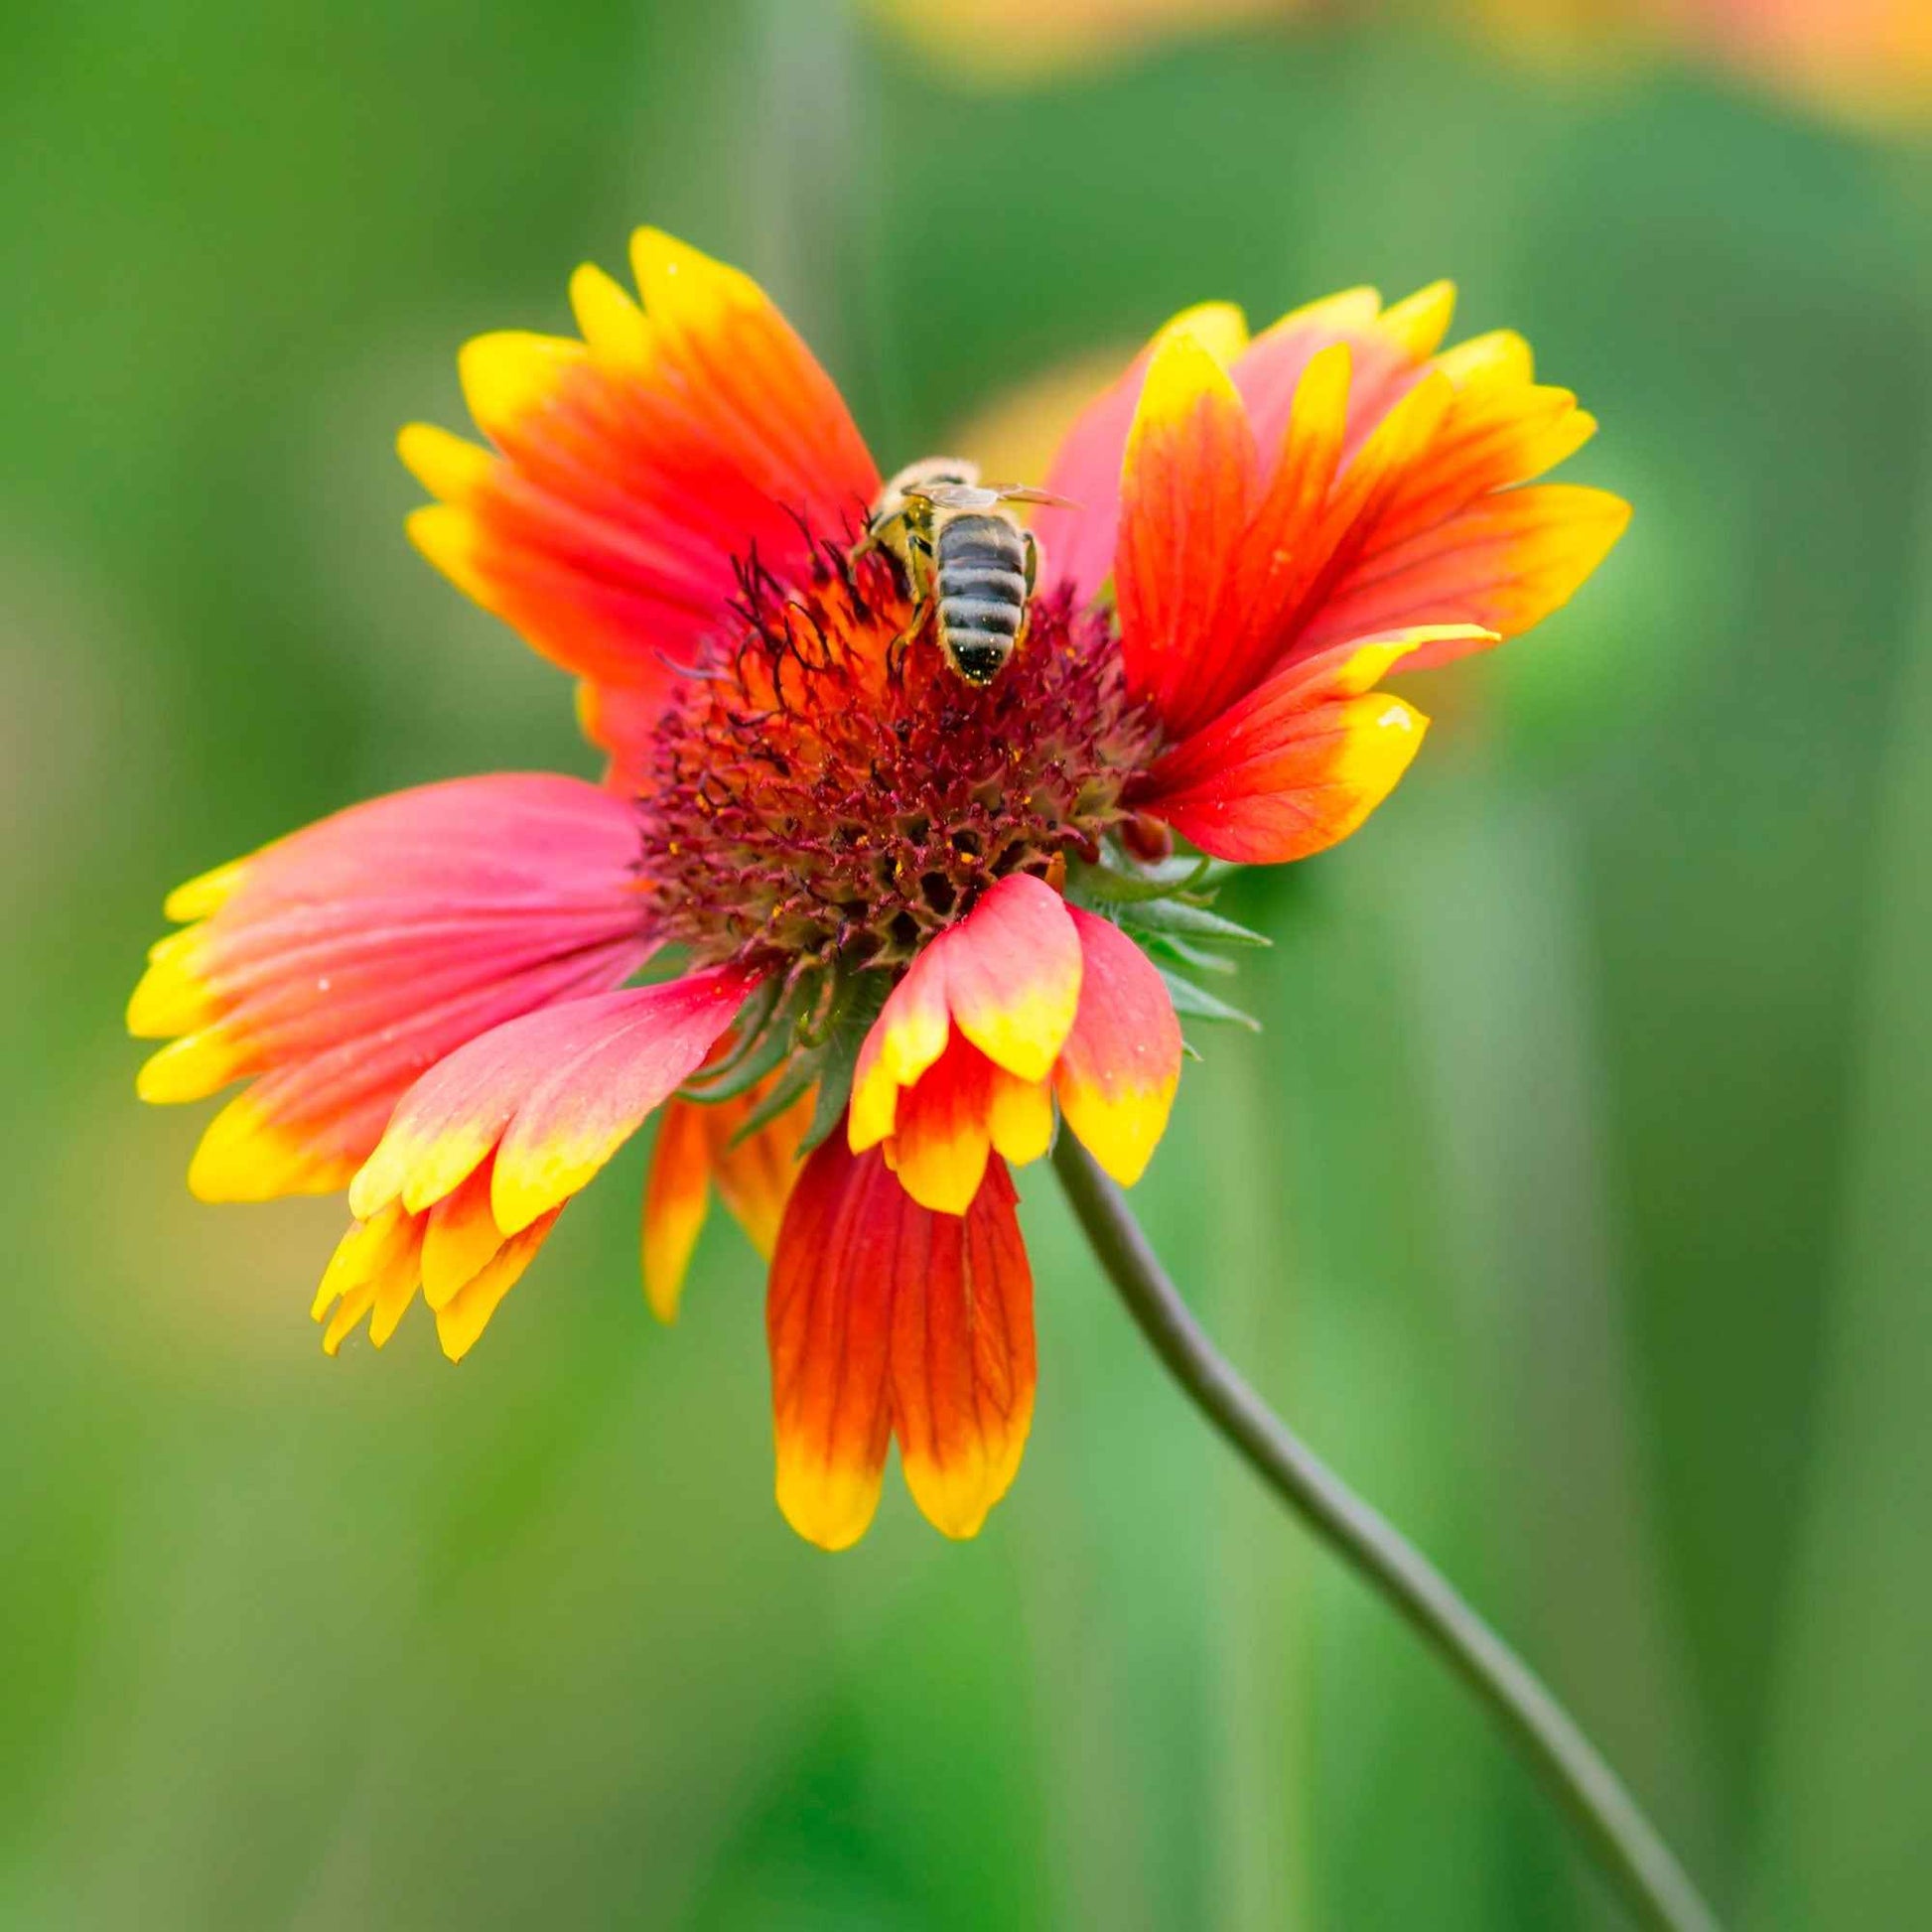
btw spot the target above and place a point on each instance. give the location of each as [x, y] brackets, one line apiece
[962, 1355]
[1502, 429]
[633, 467]
[1251, 728]
[839, 1264]
[1076, 543]
[1367, 484]
[1284, 530]
[1502, 564]
[1313, 776]
[1300, 761]
[1387, 349]
[1120, 1063]
[756, 1175]
[1188, 484]
[676, 1200]
[773, 411]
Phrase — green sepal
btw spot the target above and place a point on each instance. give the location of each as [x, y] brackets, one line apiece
[1190, 1002]
[1184, 922]
[829, 1061]
[762, 1045]
[1191, 956]
[1126, 882]
[796, 1078]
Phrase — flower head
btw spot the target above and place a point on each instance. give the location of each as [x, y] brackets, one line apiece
[911, 914]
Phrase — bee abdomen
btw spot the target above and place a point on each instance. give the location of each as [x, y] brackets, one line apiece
[981, 577]
[974, 543]
[1000, 614]
[976, 580]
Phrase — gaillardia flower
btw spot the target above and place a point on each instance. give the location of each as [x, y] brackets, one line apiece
[909, 915]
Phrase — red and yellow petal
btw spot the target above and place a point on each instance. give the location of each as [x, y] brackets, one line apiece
[461, 1321]
[1386, 348]
[1309, 779]
[1007, 977]
[552, 1095]
[963, 1367]
[454, 1253]
[959, 1113]
[1078, 543]
[373, 1272]
[908, 1036]
[834, 1275]
[942, 1138]
[1254, 726]
[1501, 565]
[1121, 1064]
[1188, 489]
[1013, 975]
[1395, 492]
[632, 467]
[337, 963]
[756, 1172]
[677, 1202]
[885, 1317]
[460, 1238]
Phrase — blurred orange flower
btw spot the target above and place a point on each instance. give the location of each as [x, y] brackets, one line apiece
[1864, 60]
[1002, 42]
[911, 885]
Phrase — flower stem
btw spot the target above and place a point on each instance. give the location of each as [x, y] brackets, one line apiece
[1635, 1858]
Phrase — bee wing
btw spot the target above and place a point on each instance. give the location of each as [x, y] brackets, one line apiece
[954, 496]
[1027, 494]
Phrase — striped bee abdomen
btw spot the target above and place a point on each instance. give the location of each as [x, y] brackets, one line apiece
[980, 572]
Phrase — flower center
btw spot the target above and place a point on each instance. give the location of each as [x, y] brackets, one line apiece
[828, 791]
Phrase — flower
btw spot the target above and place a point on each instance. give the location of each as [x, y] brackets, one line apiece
[905, 908]
[1008, 42]
[1864, 62]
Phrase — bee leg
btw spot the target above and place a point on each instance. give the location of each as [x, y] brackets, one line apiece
[895, 652]
[1031, 573]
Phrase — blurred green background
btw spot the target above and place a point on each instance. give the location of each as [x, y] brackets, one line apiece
[1572, 1201]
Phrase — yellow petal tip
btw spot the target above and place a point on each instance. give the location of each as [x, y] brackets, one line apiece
[450, 466]
[508, 375]
[206, 893]
[611, 324]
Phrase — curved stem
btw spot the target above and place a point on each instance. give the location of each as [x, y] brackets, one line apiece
[1623, 1839]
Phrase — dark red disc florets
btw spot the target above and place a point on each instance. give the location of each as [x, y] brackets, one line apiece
[828, 791]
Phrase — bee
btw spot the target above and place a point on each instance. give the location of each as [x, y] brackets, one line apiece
[971, 563]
